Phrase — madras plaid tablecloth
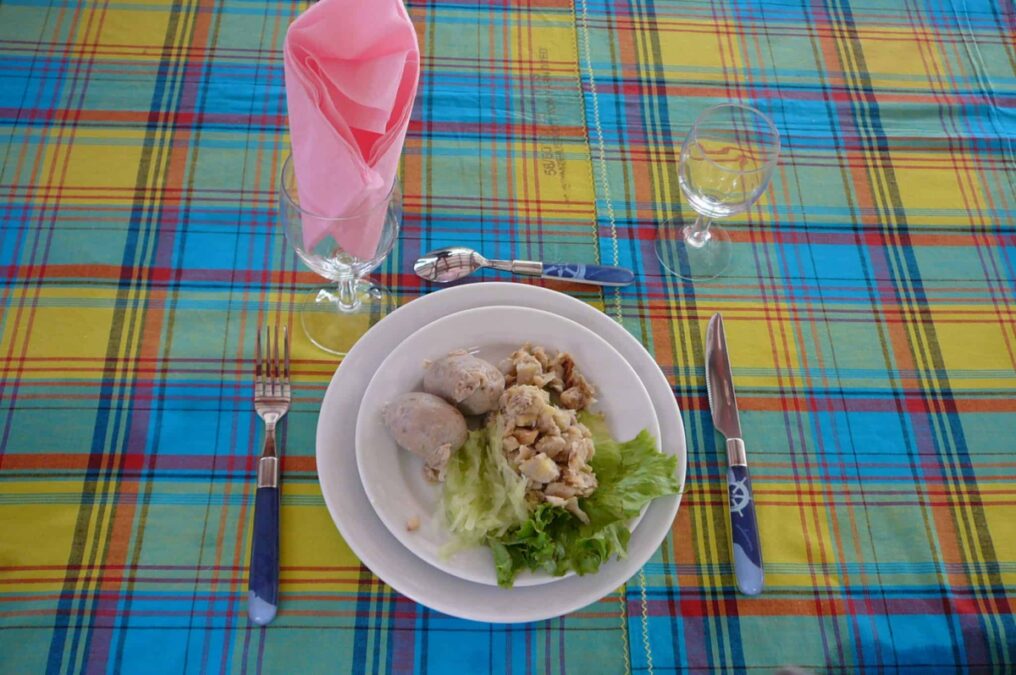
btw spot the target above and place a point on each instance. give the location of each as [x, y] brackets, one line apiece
[870, 309]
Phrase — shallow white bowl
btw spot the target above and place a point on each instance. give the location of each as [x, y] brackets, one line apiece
[393, 478]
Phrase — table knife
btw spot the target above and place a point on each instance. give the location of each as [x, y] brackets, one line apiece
[745, 546]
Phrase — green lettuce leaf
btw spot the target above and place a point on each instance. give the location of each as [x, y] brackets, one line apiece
[630, 475]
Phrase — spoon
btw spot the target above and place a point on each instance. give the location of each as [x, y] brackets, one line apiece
[455, 262]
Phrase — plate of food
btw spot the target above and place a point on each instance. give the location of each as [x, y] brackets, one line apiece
[510, 446]
[375, 547]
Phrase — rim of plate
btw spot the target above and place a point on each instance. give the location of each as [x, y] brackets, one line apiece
[396, 525]
[400, 569]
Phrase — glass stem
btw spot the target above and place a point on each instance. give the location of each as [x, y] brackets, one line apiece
[348, 300]
[698, 234]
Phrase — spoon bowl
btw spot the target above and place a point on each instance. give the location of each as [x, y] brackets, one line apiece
[449, 264]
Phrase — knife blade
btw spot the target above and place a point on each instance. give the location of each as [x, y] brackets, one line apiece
[745, 547]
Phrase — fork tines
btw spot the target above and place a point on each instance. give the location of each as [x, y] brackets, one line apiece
[271, 373]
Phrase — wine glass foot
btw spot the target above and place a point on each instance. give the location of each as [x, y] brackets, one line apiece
[683, 257]
[336, 330]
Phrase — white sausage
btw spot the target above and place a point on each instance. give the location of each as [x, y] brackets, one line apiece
[465, 380]
[426, 426]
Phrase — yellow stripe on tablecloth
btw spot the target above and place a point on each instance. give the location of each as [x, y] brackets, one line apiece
[37, 537]
[130, 27]
[310, 561]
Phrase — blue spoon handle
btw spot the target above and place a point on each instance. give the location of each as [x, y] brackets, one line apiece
[598, 275]
[746, 549]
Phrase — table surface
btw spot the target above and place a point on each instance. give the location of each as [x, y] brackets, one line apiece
[870, 310]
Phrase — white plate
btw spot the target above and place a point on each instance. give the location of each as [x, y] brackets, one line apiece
[393, 478]
[368, 538]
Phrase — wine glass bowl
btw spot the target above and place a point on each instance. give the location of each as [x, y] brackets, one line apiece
[344, 250]
[726, 163]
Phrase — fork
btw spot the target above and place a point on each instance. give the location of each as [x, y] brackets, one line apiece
[271, 401]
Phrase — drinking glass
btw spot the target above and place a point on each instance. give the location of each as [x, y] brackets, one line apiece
[336, 316]
[727, 161]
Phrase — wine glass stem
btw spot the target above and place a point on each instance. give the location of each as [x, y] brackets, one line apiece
[698, 233]
[348, 300]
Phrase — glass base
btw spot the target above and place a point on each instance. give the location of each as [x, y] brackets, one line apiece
[336, 330]
[682, 257]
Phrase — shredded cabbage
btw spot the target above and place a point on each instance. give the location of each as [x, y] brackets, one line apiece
[483, 495]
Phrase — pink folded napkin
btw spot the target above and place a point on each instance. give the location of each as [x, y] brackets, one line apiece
[352, 68]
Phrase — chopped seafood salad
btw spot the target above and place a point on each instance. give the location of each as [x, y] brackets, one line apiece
[538, 480]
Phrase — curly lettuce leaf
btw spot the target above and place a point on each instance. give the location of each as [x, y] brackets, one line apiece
[630, 475]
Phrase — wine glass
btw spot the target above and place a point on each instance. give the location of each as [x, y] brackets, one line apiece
[727, 161]
[335, 317]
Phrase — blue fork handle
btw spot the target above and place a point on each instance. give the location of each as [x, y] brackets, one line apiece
[264, 557]
[598, 275]
[746, 549]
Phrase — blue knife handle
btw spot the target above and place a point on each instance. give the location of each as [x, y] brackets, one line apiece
[264, 557]
[599, 275]
[744, 531]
